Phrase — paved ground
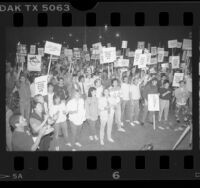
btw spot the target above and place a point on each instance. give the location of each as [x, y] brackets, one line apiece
[163, 138]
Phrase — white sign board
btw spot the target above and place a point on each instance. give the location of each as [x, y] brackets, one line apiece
[175, 62]
[41, 51]
[52, 48]
[153, 50]
[177, 78]
[20, 58]
[160, 56]
[34, 62]
[68, 52]
[108, 55]
[41, 85]
[122, 63]
[187, 44]
[97, 47]
[138, 52]
[148, 58]
[142, 61]
[172, 43]
[32, 49]
[153, 102]
[153, 61]
[124, 44]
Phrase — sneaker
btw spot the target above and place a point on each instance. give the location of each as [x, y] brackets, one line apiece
[110, 140]
[91, 138]
[68, 144]
[73, 149]
[57, 148]
[102, 142]
[121, 130]
[96, 138]
[137, 122]
[132, 124]
[78, 144]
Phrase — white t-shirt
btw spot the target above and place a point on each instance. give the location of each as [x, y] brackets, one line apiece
[99, 91]
[89, 82]
[50, 100]
[59, 108]
[125, 91]
[115, 94]
[76, 105]
[32, 88]
[135, 92]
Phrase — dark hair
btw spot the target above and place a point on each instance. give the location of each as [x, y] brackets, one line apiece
[34, 104]
[14, 119]
[166, 82]
[91, 89]
[125, 76]
[80, 78]
[114, 79]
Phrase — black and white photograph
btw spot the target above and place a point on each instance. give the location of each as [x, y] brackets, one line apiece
[98, 88]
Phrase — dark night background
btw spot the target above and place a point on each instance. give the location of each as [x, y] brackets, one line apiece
[157, 36]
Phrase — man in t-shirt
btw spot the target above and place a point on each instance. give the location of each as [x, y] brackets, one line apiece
[61, 90]
[21, 138]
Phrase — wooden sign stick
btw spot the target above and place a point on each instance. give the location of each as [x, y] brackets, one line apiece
[49, 64]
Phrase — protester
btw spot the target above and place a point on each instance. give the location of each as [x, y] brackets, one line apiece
[9, 113]
[82, 86]
[60, 89]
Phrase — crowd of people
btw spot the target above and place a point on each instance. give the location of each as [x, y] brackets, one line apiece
[98, 99]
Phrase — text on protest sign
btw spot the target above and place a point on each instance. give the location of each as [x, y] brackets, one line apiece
[41, 85]
[131, 54]
[172, 43]
[41, 51]
[124, 44]
[177, 78]
[34, 63]
[121, 63]
[148, 55]
[52, 48]
[153, 50]
[142, 61]
[160, 56]
[153, 61]
[138, 52]
[175, 62]
[77, 53]
[153, 102]
[187, 44]
[68, 52]
[108, 55]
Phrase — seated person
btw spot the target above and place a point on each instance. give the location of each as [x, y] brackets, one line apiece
[21, 139]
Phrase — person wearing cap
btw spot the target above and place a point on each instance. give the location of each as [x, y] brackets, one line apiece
[181, 95]
[150, 88]
[21, 138]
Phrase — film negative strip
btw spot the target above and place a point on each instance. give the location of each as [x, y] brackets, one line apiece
[99, 90]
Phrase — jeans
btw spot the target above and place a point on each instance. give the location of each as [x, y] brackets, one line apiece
[134, 110]
[92, 125]
[117, 112]
[60, 127]
[76, 132]
[124, 106]
[109, 123]
[164, 107]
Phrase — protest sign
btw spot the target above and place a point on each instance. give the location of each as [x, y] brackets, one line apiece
[179, 44]
[170, 59]
[175, 62]
[124, 44]
[177, 78]
[97, 47]
[77, 53]
[34, 62]
[21, 49]
[141, 45]
[131, 54]
[41, 52]
[187, 44]
[166, 53]
[165, 65]
[142, 61]
[172, 43]
[138, 52]
[32, 49]
[189, 53]
[160, 56]
[52, 48]
[184, 55]
[153, 102]
[41, 85]
[85, 47]
[121, 63]
[108, 55]
[68, 52]
[160, 50]
[153, 61]
[20, 58]
[148, 55]
[153, 50]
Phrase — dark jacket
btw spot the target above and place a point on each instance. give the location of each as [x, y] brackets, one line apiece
[149, 89]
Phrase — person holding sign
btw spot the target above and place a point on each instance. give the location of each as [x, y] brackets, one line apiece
[181, 95]
[150, 88]
[165, 97]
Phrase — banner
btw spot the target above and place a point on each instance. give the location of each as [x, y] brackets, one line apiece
[34, 62]
[175, 62]
[141, 45]
[32, 49]
[124, 44]
[108, 55]
[153, 50]
[172, 43]
[41, 85]
[177, 78]
[52, 48]
[142, 61]
[138, 52]
[41, 52]
[187, 44]
[121, 63]
[160, 56]
[153, 102]
[179, 44]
